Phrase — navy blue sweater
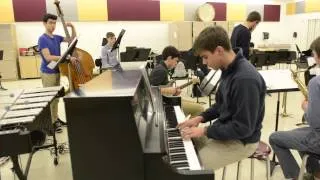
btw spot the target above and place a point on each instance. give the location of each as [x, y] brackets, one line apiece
[240, 38]
[239, 103]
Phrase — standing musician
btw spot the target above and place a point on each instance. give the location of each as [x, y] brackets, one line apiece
[239, 107]
[159, 77]
[306, 139]
[241, 34]
[49, 47]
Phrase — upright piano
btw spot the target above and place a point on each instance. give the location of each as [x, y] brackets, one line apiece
[120, 128]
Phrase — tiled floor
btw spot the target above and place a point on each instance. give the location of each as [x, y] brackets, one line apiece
[42, 165]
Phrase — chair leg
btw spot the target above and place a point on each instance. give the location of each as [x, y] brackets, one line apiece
[238, 170]
[224, 173]
[252, 169]
[303, 166]
[268, 168]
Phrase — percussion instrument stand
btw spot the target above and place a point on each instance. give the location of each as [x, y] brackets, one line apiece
[284, 105]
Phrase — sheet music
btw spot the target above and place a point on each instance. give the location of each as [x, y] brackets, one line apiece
[280, 79]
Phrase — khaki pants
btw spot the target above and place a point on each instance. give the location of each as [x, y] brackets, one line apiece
[192, 108]
[215, 154]
[49, 80]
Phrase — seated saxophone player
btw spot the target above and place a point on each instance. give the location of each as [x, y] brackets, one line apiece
[159, 77]
[306, 139]
[239, 104]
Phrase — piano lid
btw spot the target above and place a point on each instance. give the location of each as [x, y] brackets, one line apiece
[111, 84]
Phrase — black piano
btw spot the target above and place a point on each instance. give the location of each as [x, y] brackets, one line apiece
[120, 128]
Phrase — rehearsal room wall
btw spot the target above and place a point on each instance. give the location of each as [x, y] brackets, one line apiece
[154, 33]
[141, 34]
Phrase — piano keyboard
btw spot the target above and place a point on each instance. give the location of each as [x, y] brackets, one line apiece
[182, 154]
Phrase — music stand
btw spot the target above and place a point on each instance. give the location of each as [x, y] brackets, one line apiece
[65, 58]
[1, 58]
[118, 41]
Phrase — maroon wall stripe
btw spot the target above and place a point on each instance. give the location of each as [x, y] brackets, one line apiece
[133, 10]
[220, 10]
[29, 10]
[271, 13]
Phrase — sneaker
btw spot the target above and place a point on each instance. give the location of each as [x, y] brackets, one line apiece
[62, 122]
[57, 126]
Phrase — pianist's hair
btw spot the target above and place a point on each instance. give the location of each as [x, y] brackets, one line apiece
[170, 51]
[210, 38]
[254, 16]
[110, 34]
[48, 16]
[315, 46]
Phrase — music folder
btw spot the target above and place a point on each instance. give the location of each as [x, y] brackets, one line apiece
[64, 57]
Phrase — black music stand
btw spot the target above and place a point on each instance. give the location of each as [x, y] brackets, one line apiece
[117, 45]
[118, 41]
[65, 58]
[1, 58]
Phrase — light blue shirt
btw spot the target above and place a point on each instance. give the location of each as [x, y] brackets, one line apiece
[108, 58]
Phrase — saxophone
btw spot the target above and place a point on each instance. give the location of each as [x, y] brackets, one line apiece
[302, 87]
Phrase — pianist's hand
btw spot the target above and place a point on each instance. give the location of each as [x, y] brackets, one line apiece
[193, 122]
[193, 132]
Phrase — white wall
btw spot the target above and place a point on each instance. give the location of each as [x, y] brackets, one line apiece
[140, 34]
[282, 32]
[155, 34]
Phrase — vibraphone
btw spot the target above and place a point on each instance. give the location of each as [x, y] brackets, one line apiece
[25, 120]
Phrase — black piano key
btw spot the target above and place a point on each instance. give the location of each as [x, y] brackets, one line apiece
[180, 150]
[178, 159]
[172, 140]
[175, 145]
[178, 156]
[176, 141]
[180, 164]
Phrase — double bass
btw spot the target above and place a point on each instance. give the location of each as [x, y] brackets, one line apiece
[81, 71]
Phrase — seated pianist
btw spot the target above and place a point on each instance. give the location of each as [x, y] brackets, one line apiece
[239, 108]
[109, 58]
[159, 77]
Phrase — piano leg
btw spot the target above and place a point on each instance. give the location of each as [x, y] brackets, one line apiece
[16, 168]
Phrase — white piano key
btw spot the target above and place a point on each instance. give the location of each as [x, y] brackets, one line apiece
[192, 157]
